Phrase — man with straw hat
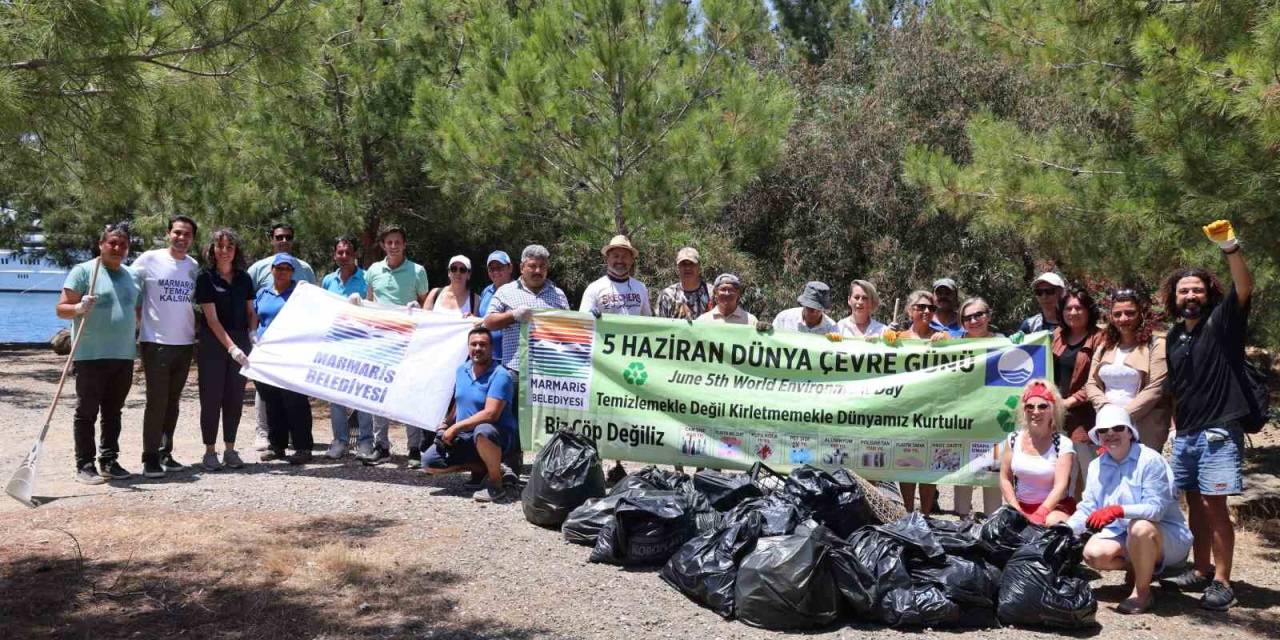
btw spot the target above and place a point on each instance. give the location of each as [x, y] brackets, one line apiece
[617, 291]
[102, 296]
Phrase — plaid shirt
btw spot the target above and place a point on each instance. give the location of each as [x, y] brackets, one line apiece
[670, 299]
[515, 294]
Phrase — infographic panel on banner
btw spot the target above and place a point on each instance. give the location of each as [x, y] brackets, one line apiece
[727, 396]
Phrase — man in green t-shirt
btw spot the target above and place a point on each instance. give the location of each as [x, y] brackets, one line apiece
[107, 319]
[399, 281]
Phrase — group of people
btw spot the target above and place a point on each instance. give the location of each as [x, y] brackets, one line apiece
[1088, 454]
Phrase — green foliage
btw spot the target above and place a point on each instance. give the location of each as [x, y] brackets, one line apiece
[605, 116]
[1179, 126]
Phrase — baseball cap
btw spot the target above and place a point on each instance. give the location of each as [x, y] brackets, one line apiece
[499, 256]
[944, 282]
[1052, 279]
[728, 278]
[284, 258]
[688, 254]
[466, 262]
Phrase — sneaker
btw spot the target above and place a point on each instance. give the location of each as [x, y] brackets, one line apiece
[509, 477]
[491, 494]
[415, 459]
[261, 443]
[1188, 580]
[210, 462]
[89, 475]
[231, 459]
[170, 464]
[475, 482]
[1218, 597]
[301, 457]
[617, 473]
[379, 456]
[364, 449]
[270, 454]
[152, 470]
[113, 471]
[337, 449]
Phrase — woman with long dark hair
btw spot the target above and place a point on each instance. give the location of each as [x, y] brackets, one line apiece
[1129, 370]
[224, 292]
[1075, 341]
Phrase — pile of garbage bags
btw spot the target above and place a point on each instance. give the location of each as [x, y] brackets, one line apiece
[811, 549]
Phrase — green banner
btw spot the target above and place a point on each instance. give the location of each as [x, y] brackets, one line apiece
[726, 396]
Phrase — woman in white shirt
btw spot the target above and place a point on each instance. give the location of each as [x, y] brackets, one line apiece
[1129, 370]
[863, 301]
[1036, 466]
[457, 297]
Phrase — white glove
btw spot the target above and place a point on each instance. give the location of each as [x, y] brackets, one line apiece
[239, 356]
[413, 306]
[355, 299]
[522, 313]
[86, 305]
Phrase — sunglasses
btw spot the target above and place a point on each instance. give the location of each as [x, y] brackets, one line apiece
[1032, 408]
[458, 270]
[1040, 293]
[977, 315]
[1116, 429]
[282, 237]
[925, 307]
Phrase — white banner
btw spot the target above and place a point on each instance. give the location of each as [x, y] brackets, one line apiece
[371, 357]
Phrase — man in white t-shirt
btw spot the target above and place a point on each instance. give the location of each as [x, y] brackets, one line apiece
[811, 316]
[166, 339]
[617, 291]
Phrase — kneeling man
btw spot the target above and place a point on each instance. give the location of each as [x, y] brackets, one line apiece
[1129, 502]
[481, 427]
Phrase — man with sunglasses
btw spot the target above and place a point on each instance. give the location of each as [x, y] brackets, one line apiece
[1048, 288]
[1207, 378]
[945, 317]
[499, 267]
[281, 236]
[617, 291]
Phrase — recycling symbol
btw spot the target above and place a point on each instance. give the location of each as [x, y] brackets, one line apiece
[635, 374]
[1005, 416]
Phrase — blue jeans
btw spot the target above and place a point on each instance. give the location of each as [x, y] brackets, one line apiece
[342, 426]
[1210, 460]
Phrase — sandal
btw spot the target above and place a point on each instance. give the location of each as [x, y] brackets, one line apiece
[1131, 606]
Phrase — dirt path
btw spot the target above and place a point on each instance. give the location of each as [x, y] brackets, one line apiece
[338, 550]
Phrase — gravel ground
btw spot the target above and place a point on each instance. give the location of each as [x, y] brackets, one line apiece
[506, 578]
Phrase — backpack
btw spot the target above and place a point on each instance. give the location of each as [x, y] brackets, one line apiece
[1257, 387]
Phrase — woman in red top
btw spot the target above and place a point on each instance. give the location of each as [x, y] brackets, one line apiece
[1074, 343]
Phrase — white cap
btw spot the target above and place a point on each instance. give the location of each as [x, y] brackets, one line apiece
[465, 261]
[1112, 415]
[1051, 278]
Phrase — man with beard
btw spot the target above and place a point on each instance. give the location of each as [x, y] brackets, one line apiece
[481, 428]
[1206, 377]
[167, 340]
[617, 291]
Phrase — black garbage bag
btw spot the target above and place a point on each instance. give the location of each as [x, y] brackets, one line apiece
[583, 524]
[651, 478]
[780, 516]
[971, 584]
[960, 537]
[706, 517]
[787, 583]
[1037, 590]
[706, 568]
[565, 474]
[1005, 532]
[644, 530]
[723, 490]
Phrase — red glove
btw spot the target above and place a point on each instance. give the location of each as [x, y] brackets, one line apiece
[1105, 516]
[1039, 516]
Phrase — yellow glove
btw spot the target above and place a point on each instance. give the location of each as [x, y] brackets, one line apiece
[1221, 232]
[835, 337]
[891, 337]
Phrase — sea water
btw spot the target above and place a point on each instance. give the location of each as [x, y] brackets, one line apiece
[29, 317]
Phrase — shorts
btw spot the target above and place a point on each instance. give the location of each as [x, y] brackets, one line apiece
[1066, 505]
[463, 450]
[1175, 545]
[1210, 461]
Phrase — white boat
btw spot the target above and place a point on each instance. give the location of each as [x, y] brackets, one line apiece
[30, 270]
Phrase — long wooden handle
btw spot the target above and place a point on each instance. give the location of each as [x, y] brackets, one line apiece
[75, 342]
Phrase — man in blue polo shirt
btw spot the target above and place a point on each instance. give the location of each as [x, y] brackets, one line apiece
[348, 282]
[481, 427]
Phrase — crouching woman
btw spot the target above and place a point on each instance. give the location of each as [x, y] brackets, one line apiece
[1130, 505]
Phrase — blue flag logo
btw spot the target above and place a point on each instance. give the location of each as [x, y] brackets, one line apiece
[1016, 366]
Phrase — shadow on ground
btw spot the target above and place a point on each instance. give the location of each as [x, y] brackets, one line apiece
[281, 585]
